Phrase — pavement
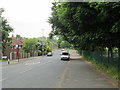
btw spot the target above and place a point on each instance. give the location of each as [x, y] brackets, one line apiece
[80, 73]
[11, 62]
[51, 72]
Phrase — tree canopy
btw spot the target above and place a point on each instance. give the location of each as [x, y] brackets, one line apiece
[37, 45]
[87, 25]
[5, 29]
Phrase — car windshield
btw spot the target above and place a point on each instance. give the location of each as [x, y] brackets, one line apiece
[65, 54]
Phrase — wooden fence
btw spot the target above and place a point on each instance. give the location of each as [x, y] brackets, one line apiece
[13, 55]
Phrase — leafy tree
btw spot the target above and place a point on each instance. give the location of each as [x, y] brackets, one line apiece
[63, 44]
[39, 45]
[30, 45]
[49, 49]
[87, 25]
[18, 37]
[5, 29]
[109, 23]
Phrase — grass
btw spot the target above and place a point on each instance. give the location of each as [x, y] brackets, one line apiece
[3, 60]
[109, 69]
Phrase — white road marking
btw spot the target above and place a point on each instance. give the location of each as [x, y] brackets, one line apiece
[2, 80]
[32, 63]
[26, 70]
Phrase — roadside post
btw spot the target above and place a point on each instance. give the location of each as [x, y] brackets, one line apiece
[8, 61]
[17, 54]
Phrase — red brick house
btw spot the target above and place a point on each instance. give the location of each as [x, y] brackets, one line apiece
[14, 43]
[12, 48]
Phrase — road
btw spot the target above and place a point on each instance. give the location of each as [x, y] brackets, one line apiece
[51, 72]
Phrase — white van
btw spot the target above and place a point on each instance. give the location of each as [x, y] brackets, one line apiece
[65, 55]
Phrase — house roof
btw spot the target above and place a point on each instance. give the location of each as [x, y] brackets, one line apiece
[17, 42]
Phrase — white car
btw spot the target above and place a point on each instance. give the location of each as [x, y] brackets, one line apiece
[63, 49]
[49, 54]
[65, 55]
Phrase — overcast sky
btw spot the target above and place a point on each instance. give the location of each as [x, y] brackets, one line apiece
[28, 17]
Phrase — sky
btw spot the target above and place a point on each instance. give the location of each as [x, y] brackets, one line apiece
[28, 17]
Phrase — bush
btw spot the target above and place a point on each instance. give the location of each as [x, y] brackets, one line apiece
[39, 53]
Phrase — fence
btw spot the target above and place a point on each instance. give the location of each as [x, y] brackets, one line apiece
[21, 55]
[102, 57]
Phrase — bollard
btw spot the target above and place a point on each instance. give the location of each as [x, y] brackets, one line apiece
[8, 61]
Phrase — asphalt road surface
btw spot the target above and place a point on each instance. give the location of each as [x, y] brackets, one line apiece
[51, 72]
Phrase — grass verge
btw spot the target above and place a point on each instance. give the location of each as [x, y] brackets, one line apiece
[111, 70]
[3, 60]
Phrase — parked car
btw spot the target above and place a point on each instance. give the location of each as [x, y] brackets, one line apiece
[4, 58]
[65, 55]
[63, 49]
[49, 54]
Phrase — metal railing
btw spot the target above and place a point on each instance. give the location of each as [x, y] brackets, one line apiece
[102, 57]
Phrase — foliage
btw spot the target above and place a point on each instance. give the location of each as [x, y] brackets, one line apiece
[39, 53]
[37, 45]
[5, 29]
[30, 45]
[87, 25]
[18, 37]
[102, 62]
[49, 49]
[63, 44]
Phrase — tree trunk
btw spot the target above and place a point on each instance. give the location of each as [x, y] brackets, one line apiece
[119, 52]
[110, 52]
